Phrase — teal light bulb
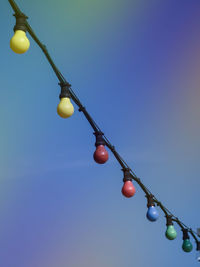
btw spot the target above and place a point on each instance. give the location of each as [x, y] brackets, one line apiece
[171, 232]
[187, 245]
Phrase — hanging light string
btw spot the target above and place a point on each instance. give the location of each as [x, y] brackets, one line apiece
[66, 91]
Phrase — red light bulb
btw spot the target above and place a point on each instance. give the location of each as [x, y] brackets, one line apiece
[101, 154]
[128, 189]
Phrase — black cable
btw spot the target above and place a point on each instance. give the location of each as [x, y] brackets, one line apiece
[96, 128]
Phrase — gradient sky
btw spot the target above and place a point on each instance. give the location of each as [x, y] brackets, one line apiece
[135, 65]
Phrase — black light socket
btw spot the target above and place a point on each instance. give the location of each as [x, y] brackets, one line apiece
[169, 220]
[127, 175]
[99, 139]
[20, 22]
[150, 200]
[185, 234]
[65, 90]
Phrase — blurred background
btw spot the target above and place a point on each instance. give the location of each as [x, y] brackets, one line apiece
[135, 65]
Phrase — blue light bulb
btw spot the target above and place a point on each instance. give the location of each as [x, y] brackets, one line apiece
[152, 214]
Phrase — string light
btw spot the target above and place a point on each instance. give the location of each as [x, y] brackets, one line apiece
[187, 245]
[170, 232]
[152, 213]
[128, 189]
[100, 154]
[65, 108]
[20, 44]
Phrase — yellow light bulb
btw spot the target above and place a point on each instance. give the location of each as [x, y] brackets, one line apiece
[65, 108]
[19, 42]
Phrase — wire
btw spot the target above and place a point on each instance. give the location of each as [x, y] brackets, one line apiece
[96, 128]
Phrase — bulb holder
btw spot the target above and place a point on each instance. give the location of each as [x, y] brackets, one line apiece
[150, 201]
[127, 175]
[20, 22]
[65, 90]
[169, 220]
[99, 139]
[185, 234]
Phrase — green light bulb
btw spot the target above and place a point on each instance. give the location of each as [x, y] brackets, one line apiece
[171, 232]
[187, 245]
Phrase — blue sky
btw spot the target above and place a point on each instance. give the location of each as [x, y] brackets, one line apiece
[135, 66]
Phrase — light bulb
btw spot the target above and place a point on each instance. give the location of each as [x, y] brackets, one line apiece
[65, 108]
[171, 232]
[152, 214]
[100, 154]
[128, 189]
[187, 245]
[19, 42]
